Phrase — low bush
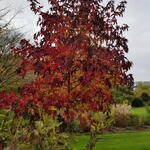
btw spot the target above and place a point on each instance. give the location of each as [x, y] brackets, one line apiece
[73, 126]
[139, 120]
[136, 120]
[19, 133]
[133, 120]
[148, 109]
[147, 118]
[137, 102]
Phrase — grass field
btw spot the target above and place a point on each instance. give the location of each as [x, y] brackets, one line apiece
[119, 141]
[141, 111]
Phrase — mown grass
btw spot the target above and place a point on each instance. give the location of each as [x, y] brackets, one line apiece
[141, 111]
[119, 141]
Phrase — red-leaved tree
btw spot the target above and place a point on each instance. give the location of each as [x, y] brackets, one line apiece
[78, 56]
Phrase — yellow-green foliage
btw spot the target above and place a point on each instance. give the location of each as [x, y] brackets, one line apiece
[23, 133]
[142, 88]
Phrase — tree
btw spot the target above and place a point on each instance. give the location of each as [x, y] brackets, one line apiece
[9, 37]
[142, 88]
[9, 63]
[122, 94]
[78, 56]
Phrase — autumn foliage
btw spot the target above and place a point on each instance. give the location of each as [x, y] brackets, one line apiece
[77, 56]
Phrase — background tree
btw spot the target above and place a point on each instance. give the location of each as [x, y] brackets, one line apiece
[78, 56]
[123, 94]
[142, 88]
[142, 94]
[9, 37]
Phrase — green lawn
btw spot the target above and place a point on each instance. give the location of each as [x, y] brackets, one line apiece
[120, 141]
[141, 111]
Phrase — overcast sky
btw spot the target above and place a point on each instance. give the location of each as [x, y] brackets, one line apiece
[137, 16]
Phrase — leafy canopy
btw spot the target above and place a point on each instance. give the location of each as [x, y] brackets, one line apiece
[78, 55]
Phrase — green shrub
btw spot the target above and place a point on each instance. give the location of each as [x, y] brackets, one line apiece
[136, 120]
[145, 97]
[148, 103]
[137, 102]
[133, 120]
[139, 120]
[148, 109]
[147, 118]
[73, 126]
